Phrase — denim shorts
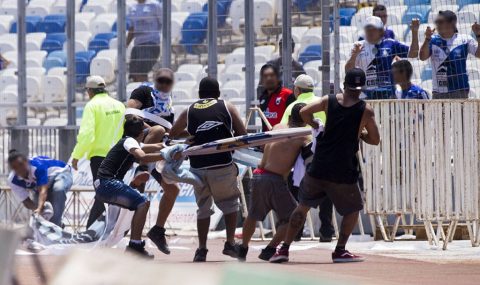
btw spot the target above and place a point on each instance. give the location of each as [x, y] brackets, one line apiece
[113, 191]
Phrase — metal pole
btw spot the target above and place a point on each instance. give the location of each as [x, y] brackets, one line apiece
[249, 55]
[71, 72]
[287, 42]
[326, 47]
[212, 39]
[22, 64]
[336, 44]
[122, 50]
[167, 34]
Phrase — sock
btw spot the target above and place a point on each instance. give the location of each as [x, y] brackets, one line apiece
[285, 246]
[137, 242]
[340, 248]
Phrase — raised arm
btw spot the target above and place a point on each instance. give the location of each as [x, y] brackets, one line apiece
[237, 123]
[425, 49]
[357, 49]
[370, 133]
[307, 112]
[414, 46]
[179, 126]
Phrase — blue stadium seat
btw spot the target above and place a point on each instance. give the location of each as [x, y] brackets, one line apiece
[31, 23]
[222, 13]
[53, 42]
[462, 3]
[346, 15]
[82, 65]
[312, 52]
[55, 59]
[426, 74]
[54, 23]
[304, 5]
[98, 45]
[416, 2]
[105, 36]
[419, 11]
[194, 31]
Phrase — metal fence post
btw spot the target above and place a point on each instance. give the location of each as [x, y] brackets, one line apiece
[71, 72]
[325, 47]
[286, 42]
[249, 57]
[122, 51]
[336, 45]
[167, 34]
[212, 39]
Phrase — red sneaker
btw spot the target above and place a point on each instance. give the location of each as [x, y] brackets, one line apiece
[345, 256]
[139, 179]
[280, 256]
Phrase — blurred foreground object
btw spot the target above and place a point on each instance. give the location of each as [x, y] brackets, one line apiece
[8, 246]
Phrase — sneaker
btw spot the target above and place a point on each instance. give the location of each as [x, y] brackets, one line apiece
[139, 250]
[343, 256]
[200, 255]
[280, 256]
[157, 236]
[230, 250]
[241, 252]
[267, 253]
[325, 238]
[140, 178]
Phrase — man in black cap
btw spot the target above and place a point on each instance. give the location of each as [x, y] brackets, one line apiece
[207, 120]
[333, 172]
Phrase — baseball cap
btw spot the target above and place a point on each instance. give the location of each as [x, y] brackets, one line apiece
[373, 21]
[304, 81]
[355, 79]
[450, 16]
[95, 82]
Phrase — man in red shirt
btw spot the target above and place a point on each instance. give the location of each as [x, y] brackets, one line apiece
[275, 98]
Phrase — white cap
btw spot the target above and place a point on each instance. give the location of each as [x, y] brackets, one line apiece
[373, 21]
[304, 81]
[95, 82]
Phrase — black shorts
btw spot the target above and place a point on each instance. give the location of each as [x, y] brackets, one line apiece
[347, 198]
[143, 58]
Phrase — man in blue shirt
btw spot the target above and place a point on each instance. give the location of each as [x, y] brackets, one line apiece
[402, 71]
[375, 55]
[47, 178]
[145, 25]
[381, 12]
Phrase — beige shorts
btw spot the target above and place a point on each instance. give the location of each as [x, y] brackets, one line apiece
[220, 187]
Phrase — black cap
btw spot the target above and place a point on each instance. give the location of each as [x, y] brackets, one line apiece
[209, 88]
[355, 79]
[450, 16]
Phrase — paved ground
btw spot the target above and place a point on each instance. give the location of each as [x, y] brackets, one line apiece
[307, 259]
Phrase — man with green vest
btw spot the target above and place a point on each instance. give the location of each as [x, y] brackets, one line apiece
[303, 90]
[99, 130]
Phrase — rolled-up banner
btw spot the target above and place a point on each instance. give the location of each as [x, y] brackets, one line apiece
[149, 116]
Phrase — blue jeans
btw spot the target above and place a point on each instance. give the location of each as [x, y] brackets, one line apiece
[113, 191]
[59, 185]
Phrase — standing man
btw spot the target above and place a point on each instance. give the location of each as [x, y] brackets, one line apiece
[402, 71]
[274, 98]
[207, 120]
[297, 67]
[99, 130]
[333, 172]
[375, 55]
[448, 51]
[269, 187]
[145, 26]
[156, 99]
[381, 12]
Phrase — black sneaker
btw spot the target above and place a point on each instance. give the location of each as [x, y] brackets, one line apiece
[241, 252]
[200, 255]
[139, 250]
[325, 238]
[229, 249]
[267, 253]
[157, 236]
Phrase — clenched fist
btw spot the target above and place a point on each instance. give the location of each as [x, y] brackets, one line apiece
[415, 25]
[429, 33]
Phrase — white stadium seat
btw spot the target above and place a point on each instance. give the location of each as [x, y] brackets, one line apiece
[400, 31]
[36, 58]
[12, 57]
[83, 21]
[311, 37]
[186, 85]
[5, 23]
[60, 7]
[360, 17]
[468, 16]
[8, 77]
[177, 22]
[55, 88]
[297, 33]
[235, 58]
[104, 67]
[237, 16]
[395, 14]
[103, 23]
[263, 14]
[391, 2]
[8, 42]
[233, 89]
[55, 122]
[185, 76]
[82, 39]
[39, 9]
[59, 71]
[181, 94]
[192, 6]
[9, 9]
[36, 71]
[98, 7]
[35, 40]
[195, 69]
[34, 88]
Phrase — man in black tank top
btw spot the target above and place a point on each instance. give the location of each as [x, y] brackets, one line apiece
[333, 172]
[209, 119]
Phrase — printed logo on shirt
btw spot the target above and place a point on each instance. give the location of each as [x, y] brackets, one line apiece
[270, 115]
[204, 104]
[208, 125]
[113, 112]
[278, 101]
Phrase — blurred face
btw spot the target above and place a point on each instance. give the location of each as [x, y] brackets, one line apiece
[163, 84]
[297, 91]
[20, 166]
[399, 75]
[443, 26]
[269, 79]
[382, 15]
[373, 35]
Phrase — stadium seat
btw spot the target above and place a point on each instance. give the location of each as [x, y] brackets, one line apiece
[390, 3]
[465, 28]
[463, 3]
[194, 31]
[400, 31]
[9, 9]
[8, 42]
[31, 23]
[233, 89]
[419, 11]
[12, 56]
[98, 7]
[103, 23]
[37, 71]
[468, 16]
[35, 40]
[416, 2]
[237, 16]
[5, 23]
[186, 85]
[53, 24]
[8, 77]
[104, 67]
[36, 58]
[395, 14]
[55, 122]
[41, 9]
[180, 94]
[127, 26]
[55, 59]
[304, 5]
[222, 12]
[298, 32]
[59, 71]
[83, 21]
[263, 15]
[98, 45]
[312, 52]
[184, 76]
[34, 88]
[82, 39]
[358, 20]
[346, 15]
[192, 6]
[312, 36]
[194, 69]
[53, 42]
[82, 65]
[177, 22]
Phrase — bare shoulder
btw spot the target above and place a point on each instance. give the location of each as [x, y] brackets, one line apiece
[280, 127]
[369, 110]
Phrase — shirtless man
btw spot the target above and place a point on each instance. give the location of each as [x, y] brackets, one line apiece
[269, 187]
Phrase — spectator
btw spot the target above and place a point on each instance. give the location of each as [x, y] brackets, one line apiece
[402, 71]
[99, 130]
[381, 12]
[375, 54]
[4, 63]
[275, 98]
[145, 25]
[448, 51]
[303, 90]
[297, 67]
[47, 178]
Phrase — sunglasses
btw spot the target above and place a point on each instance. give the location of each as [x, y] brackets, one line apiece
[163, 80]
[441, 22]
